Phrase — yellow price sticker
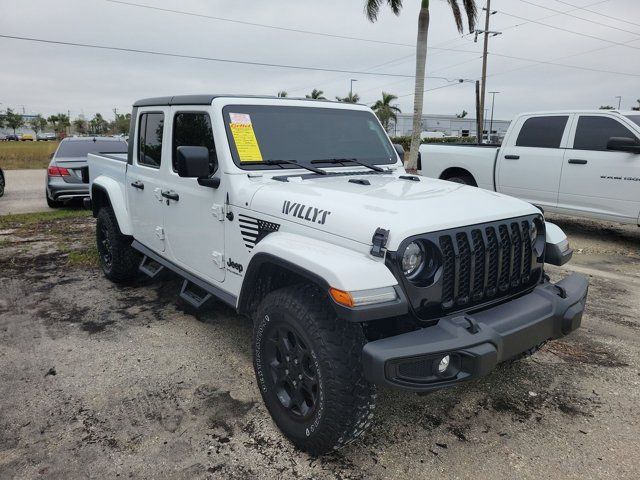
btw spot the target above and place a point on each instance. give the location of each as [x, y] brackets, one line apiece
[245, 138]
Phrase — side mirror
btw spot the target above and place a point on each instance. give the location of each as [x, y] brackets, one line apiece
[623, 144]
[400, 149]
[193, 162]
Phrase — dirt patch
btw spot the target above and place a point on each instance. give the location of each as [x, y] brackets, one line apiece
[586, 353]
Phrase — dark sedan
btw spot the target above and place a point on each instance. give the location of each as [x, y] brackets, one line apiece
[67, 175]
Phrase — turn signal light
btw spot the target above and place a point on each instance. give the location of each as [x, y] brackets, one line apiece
[54, 171]
[341, 297]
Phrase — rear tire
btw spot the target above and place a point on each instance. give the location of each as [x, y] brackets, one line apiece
[52, 203]
[308, 368]
[119, 261]
[463, 179]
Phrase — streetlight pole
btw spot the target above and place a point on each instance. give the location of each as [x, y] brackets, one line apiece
[351, 87]
[493, 101]
[619, 101]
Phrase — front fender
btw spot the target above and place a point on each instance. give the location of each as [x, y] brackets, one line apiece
[337, 266]
[557, 250]
[117, 198]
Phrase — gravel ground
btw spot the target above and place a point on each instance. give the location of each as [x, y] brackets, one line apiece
[101, 381]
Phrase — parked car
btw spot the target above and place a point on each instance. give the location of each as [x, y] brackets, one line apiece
[26, 137]
[2, 183]
[577, 163]
[12, 137]
[300, 215]
[67, 177]
[46, 136]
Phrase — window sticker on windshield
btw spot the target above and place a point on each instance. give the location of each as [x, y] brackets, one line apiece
[245, 138]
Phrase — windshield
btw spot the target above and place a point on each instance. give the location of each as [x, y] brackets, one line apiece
[634, 118]
[260, 133]
[82, 148]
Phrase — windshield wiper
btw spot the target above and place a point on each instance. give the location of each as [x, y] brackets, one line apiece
[351, 160]
[293, 162]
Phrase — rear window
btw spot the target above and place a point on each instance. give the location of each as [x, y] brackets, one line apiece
[542, 132]
[82, 148]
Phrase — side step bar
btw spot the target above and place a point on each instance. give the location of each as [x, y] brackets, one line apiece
[150, 267]
[203, 285]
[193, 295]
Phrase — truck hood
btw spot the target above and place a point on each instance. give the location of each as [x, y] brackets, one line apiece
[337, 205]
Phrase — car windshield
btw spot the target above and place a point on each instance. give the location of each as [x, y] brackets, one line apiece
[634, 118]
[262, 133]
[82, 148]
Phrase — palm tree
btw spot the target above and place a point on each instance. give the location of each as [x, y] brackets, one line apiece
[316, 95]
[637, 107]
[282, 94]
[372, 8]
[350, 98]
[385, 111]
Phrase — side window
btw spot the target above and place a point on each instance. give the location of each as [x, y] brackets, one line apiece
[542, 132]
[194, 129]
[150, 131]
[594, 132]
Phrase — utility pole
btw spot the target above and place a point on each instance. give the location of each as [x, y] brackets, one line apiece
[351, 87]
[478, 119]
[493, 101]
[619, 101]
[486, 33]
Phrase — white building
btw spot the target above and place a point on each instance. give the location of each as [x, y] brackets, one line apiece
[450, 125]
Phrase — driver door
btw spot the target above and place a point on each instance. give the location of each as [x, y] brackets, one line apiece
[194, 222]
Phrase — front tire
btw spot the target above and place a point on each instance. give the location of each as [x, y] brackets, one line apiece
[308, 368]
[463, 179]
[119, 261]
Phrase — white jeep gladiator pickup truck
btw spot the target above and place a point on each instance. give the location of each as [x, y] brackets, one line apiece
[575, 163]
[299, 214]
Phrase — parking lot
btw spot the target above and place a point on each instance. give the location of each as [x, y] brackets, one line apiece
[102, 381]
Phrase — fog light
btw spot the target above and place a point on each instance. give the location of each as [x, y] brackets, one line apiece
[444, 364]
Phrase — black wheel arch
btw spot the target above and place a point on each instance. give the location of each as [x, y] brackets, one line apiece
[458, 172]
[99, 198]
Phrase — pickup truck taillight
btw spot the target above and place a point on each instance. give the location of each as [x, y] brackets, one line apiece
[58, 172]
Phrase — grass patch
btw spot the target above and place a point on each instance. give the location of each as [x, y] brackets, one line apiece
[17, 155]
[11, 221]
[86, 257]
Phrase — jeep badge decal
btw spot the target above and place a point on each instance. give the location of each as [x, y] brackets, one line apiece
[310, 214]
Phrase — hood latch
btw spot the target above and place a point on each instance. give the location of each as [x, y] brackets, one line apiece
[379, 241]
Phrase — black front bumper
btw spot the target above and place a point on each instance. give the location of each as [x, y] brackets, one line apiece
[476, 342]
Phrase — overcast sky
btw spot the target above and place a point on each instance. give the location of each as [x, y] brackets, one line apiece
[50, 78]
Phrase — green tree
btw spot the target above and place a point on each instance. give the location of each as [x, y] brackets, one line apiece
[316, 95]
[282, 94]
[350, 98]
[80, 125]
[38, 123]
[385, 111]
[372, 8]
[463, 114]
[98, 125]
[121, 123]
[63, 122]
[13, 120]
[53, 120]
[637, 107]
[607, 107]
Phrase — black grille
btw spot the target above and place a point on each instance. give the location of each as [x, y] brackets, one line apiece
[480, 265]
[488, 261]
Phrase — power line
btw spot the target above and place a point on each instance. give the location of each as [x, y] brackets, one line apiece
[586, 8]
[569, 31]
[568, 14]
[211, 59]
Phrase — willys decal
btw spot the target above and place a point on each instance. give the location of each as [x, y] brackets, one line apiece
[304, 212]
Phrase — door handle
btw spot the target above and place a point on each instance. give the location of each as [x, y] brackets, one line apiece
[138, 184]
[512, 157]
[170, 195]
[577, 161]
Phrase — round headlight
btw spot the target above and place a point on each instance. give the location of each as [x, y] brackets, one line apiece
[412, 260]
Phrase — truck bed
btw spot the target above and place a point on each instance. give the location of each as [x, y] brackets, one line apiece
[479, 160]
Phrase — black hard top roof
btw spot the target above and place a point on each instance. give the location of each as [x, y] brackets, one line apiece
[204, 99]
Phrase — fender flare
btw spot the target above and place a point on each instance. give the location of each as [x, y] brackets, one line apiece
[113, 191]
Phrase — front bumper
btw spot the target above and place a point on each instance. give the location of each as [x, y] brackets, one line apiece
[476, 342]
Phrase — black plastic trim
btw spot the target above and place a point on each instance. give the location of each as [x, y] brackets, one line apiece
[554, 256]
[503, 332]
[226, 297]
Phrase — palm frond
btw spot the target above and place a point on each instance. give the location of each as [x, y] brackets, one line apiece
[472, 13]
[372, 8]
[457, 15]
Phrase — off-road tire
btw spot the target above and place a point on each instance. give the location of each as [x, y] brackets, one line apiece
[345, 400]
[119, 261]
[463, 179]
[52, 203]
